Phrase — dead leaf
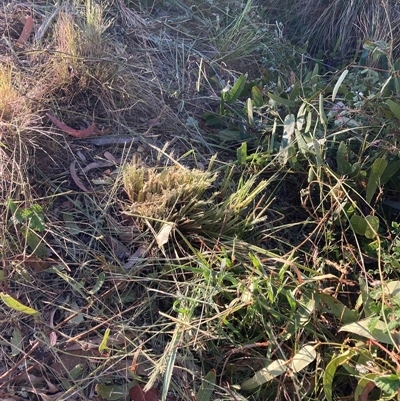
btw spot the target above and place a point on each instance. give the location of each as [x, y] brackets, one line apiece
[135, 359]
[136, 393]
[77, 133]
[44, 396]
[35, 263]
[136, 257]
[51, 388]
[53, 338]
[364, 396]
[26, 31]
[103, 131]
[109, 156]
[163, 235]
[75, 177]
[93, 165]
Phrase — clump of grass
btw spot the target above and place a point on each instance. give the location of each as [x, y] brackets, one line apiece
[339, 27]
[196, 202]
[156, 193]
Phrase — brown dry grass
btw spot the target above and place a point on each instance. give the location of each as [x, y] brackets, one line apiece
[135, 76]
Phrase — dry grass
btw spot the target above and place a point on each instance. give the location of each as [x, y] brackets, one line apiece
[339, 27]
[93, 266]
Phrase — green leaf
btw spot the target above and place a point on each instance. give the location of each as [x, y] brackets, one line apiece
[367, 226]
[257, 96]
[365, 386]
[342, 159]
[390, 171]
[17, 306]
[241, 153]
[274, 369]
[322, 116]
[34, 215]
[330, 372]
[281, 100]
[302, 359]
[35, 242]
[338, 83]
[338, 309]
[390, 384]
[207, 386]
[377, 169]
[378, 332]
[372, 227]
[394, 108]
[288, 130]
[99, 283]
[12, 206]
[103, 344]
[16, 341]
[234, 93]
[112, 392]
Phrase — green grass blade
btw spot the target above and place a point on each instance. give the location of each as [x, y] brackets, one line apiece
[207, 386]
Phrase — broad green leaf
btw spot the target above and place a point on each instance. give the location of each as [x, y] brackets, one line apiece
[281, 100]
[377, 169]
[34, 215]
[35, 242]
[112, 392]
[234, 93]
[103, 344]
[274, 369]
[301, 117]
[365, 385]
[309, 121]
[207, 386]
[17, 306]
[330, 372]
[295, 91]
[372, 227]
[342, 159]
[358, 224]
[257, 96]
[303, 314]
[302, 359]
[16, 341]
[338, 83]
[367, 226]
[394, 108]
[288, 130]
[338, 309]
[390, 171]
[301, 143]
[390, 384]
[377, 333]
[241, 154]
[99, 283]
[76, 371]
